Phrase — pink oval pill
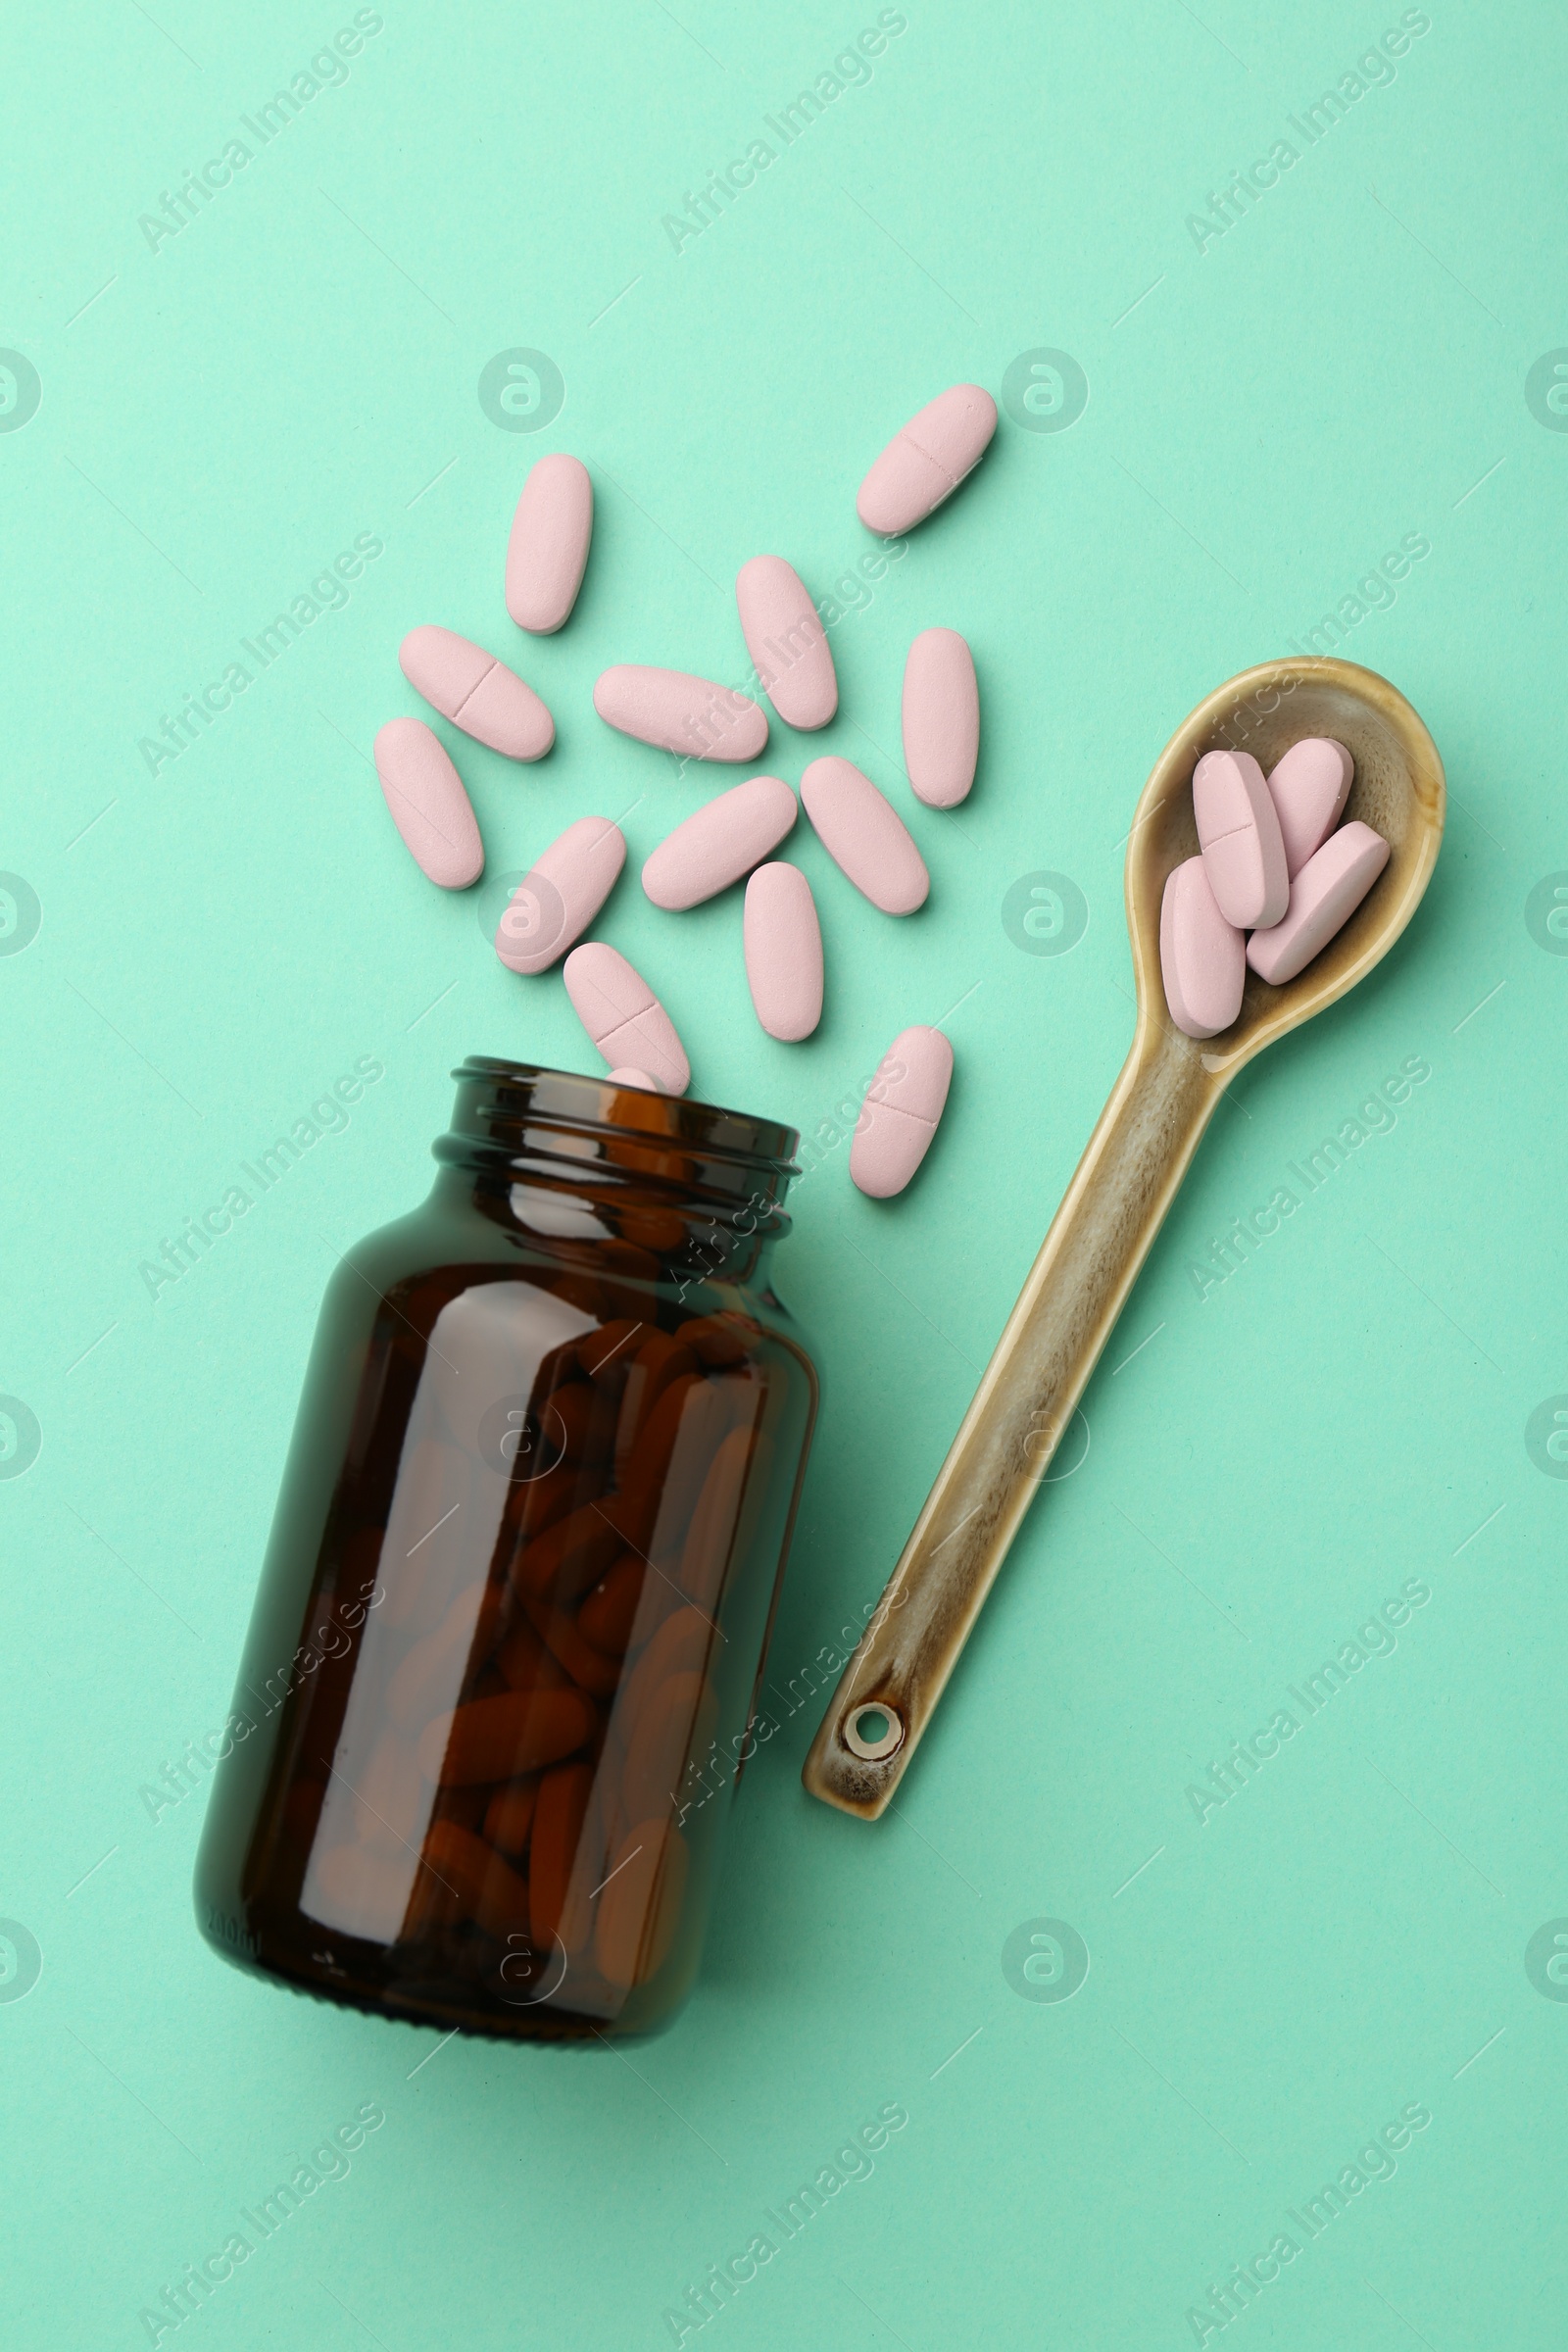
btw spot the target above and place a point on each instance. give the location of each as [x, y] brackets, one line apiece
[1203, 959]
[1239, 836]
[719, 844]
[783, 952]
[556, 903]
[902, 1105]
[622, 1015]
[864, 835]
[691, 717]
[430, 806]
[940, 718]
[1309, 788]
[787, 642]
[1324, 894]
[633, 1078]
[548, 550]
[476, 692]
[927, 459]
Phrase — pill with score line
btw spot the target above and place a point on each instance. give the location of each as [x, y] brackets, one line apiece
[902, 1107]
[556, 901]
[622, 1015]
[927, 459]
[694, 718]
[476, 692]
[1324, 896]
[940, 718]
[720, 843]
[1203, 959]
[547, 552]
[429, 805]
[1309, 787]
[864, 835]
[1238, 834]
[787, 642]
[783, 952]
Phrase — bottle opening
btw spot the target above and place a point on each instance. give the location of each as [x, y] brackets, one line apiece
[566, 1096]
[515, 1119]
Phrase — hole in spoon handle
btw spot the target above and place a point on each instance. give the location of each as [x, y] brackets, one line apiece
[871, 1730]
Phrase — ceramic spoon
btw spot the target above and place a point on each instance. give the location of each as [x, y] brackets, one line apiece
[1125, 1182]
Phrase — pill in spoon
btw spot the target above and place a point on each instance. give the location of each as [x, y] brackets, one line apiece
[1309, 787]
[1324, 896]
[1238, 833]
[1203, 959]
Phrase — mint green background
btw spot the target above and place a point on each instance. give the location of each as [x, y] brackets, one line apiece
[1337, 370]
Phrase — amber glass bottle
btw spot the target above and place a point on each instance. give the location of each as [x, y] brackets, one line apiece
[510, 1626]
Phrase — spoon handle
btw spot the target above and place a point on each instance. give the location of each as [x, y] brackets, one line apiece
[1098, 1239]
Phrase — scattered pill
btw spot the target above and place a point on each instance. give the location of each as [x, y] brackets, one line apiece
[787, 642]
[902, 1105]
[927, 459]
[864, 835]
[691, 717]
[633, 1078]
[1324, 895]
[720, 843]
[940, 718]
[1203, 959]
[430, 806]
[556, 903]
[1309, 788]
[783, 952]
[476, 692]
[548, 550]
[1239, 836]
[620, 1011]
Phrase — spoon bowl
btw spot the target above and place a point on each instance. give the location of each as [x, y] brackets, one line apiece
[1128, 1176]
[1397, 790]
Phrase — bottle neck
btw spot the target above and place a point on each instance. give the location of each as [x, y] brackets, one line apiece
[568, 1161]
